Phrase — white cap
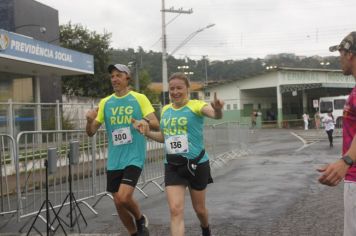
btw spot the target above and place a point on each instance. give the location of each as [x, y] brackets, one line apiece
[119, 67]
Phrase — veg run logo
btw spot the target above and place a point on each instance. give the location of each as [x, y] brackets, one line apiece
[4, 41]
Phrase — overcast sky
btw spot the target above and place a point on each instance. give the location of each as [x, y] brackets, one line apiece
[243, 28]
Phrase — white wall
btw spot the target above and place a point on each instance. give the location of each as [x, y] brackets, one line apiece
[265, 101]
[232, 93]
[75, 108]
[261, 81]
[228, 92]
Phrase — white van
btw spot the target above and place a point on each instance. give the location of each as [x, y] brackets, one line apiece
[334, 104]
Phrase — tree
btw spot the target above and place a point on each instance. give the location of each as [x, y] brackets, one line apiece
[144, 82]
[79, 38]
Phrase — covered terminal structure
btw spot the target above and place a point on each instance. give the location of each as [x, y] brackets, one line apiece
[279, 95]
[32, 62]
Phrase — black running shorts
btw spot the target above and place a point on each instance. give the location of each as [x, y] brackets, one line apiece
[198, 182]
[129, 176]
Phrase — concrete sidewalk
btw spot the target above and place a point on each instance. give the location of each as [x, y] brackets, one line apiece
[273, 191]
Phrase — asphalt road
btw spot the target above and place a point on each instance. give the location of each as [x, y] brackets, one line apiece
[272, 191]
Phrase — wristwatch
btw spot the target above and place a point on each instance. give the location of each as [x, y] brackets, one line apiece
[348, 160]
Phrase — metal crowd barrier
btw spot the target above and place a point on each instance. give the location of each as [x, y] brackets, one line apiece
[31, 152]
[154, 167]
[151, 173]
[20, 116]
[99, 149]
[8, 200]
[226, 141]
[23, 170]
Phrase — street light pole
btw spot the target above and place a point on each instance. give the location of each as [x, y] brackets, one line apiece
[41, 27]
[133, 65]
[192, 35]
[164, 54]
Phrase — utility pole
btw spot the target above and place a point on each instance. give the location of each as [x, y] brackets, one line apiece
[164, 46]
[133, 65]
[205, 58]
[205, 84]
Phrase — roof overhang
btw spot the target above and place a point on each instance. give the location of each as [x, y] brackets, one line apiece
[299, 87]
[33, 69]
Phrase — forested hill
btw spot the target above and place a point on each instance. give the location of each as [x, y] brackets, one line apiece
[218, 70]
[148, 64]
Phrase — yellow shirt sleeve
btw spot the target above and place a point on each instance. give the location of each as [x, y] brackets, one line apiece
[196, 106]
[145, 104]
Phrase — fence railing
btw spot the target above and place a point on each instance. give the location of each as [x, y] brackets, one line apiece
[16, 117]
[295, 124]
[23, 170]
[8, 204]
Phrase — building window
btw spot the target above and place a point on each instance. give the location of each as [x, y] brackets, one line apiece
[234, 106]
[228, 107]
[5, 90]
[339, 103]
[207, 95]
[16, 87]
[22, 90]
[194, 95]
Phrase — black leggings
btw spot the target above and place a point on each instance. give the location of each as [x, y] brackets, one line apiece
[330, 135]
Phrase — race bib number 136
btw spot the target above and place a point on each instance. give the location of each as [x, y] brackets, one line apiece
[177, 144]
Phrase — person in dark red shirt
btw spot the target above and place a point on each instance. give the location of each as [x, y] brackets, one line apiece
[345, 167]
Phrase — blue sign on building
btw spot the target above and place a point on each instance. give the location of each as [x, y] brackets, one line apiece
[26, 49]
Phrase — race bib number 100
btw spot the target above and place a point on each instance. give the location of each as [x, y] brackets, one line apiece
[177, 144]
[121, 136]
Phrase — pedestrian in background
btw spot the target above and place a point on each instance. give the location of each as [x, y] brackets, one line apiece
[333, 174]
[306, 121]
[254, 115]
[317, 119]
[127, 147]
[329, 124]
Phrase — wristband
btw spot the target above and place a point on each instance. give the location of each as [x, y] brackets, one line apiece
[348, 160]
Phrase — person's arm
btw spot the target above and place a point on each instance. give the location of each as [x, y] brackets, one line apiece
[92, 125]
[148, 111]
[214, 110]
[152, 120]
[155, 135]
[144, 128]
[335, 172]
[352, 150]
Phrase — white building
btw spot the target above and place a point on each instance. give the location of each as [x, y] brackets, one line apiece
[279, 94]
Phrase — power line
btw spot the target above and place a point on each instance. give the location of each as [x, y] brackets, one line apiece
[251, 6]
